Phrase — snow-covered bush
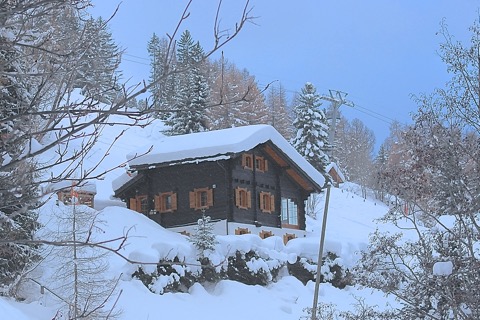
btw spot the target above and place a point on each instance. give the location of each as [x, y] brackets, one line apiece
[332, 270]
[169, 276]
[250, 268]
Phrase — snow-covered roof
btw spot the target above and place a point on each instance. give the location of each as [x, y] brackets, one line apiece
[212, 145]
[123, 179]
[86, 186]
[337, 169]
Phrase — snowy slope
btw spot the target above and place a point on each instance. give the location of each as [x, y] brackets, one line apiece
[350, 220]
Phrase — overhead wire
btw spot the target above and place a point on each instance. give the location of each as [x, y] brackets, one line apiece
[359, 108]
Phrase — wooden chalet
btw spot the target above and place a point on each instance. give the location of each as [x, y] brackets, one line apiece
[247, 179]
[74, 193]
[336, 175]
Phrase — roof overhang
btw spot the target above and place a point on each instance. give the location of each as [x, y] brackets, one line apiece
[294, 171]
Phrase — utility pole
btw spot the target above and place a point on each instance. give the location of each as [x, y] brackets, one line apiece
[337, 98]
[320, 255]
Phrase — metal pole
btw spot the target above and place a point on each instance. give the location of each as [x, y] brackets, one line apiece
[320, 255]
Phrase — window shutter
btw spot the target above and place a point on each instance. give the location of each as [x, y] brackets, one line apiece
[133, 204]
[237, 197]
[174, 201]
[158, 203]
[192, 196]
[272, 203]
[244, 160]
[265, 164]
[249, 199]
[210, 197]
[261, 202]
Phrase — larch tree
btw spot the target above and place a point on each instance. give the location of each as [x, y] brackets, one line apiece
[44, 54]
[278, 110]
[235, 99]
[311, 139]
[356, 153]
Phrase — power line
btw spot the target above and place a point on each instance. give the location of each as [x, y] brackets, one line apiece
[367, 112]
[145, 64]
[357, 107]
[133, 56]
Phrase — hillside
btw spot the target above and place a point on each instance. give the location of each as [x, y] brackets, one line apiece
[350, 220]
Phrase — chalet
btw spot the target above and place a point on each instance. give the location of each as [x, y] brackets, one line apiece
[74, 193]
[247, 179]
[335, 174]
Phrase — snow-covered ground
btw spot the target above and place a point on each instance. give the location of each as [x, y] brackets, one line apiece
[350, 221]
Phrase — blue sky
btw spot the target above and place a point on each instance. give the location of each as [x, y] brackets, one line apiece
[378, 51]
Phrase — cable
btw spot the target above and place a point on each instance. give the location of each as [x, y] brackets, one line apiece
[145, 64]
[133, 56]
[358, 107]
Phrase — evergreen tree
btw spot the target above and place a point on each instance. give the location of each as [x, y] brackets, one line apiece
[98, 71]
[204, 238]
[190, 100]
[162, 62]
[311, 138]
[17, 190]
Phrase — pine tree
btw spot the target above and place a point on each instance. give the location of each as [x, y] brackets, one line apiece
[18, 221]
[162, 62]
[204, 238]
[311, 128]
[98, 72]
[190, 100]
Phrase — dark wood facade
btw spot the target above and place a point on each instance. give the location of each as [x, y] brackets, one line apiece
[260, 187]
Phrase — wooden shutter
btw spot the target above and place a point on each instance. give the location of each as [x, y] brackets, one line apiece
[158, 203]
[193, 202]
[174, 201]
[272, 203]
[261, 202]
[133, 204]
[265, 164]
[249, 199]
[210, 197]
[244, 160]
[237, 197]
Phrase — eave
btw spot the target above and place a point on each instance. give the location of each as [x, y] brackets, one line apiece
[291, 168]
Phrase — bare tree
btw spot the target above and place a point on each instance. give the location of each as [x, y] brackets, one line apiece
[435, 273]
[354, 152]
[41, 114]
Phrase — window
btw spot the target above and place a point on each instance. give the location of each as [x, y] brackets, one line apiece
[166, 202]
[289, 212]
[239, 231]
[139, 204]
[288, 236]
[201, 198]
[247, 161]
[267, 202]
[261, 164]
[243, 198]
[76, 197]
[265, 234]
